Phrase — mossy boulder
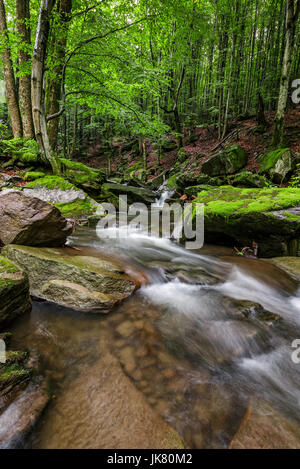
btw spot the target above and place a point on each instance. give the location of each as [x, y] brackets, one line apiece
[248, 179]
[134, 194]
[82, 283]
[237, 217]
[277, 164]
[14, 291]
[70, 201]
[81, 175]
[226, 162]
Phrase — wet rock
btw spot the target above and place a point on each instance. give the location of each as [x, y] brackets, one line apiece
[14, 291]
[19, 418]
[83, 283]
[134, 194]
[226, 162]
[115, 415]
[31, 222]
[266, 428]
[291, 265]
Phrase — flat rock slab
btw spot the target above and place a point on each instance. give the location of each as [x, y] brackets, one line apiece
[19, 418]
[14, 291]
[266, 428]
[30, 221]
[102, 409]
[83, 283]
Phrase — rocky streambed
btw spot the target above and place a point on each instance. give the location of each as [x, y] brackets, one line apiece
[194, 349]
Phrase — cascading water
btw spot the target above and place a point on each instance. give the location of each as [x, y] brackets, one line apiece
[206, 328]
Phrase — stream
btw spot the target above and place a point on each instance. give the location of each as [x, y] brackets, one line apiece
[183, 339]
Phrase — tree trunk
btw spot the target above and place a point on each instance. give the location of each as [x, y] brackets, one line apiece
[37, 92]
[23, 18]
[9, 78]
[54, 83]
[292, 14]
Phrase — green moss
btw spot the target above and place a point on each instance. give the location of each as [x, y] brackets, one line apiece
[33, 175]
[268, 161]
[52, 182]
[77, 208]
[227, 200]
[80, 173]
[7, 267]
[12, 373]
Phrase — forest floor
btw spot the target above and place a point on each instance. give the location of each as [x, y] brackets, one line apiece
[205, 142]
[200, 150]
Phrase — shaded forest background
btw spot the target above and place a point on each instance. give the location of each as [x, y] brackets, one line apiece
[93, 80]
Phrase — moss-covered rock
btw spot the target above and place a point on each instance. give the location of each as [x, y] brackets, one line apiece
[70, 201]
[81, 175]
[134, 194]
[226, 162]
[248, 179]
[14, 291]
[277, 164]
[235, 216]
[82, 283]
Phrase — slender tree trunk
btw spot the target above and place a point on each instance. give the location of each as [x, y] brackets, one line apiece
[292, 13]
[9, 77]
[23, 18]
[37, 92]
[54, 82]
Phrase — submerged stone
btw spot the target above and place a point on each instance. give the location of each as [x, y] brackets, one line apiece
[266, 428]
[88, 284]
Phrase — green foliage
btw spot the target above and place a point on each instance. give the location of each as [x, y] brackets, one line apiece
[25, 150]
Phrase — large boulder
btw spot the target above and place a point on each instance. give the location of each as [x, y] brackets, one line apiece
[83, 283]
[30, 221]
[134, 194]
[237, 217]
[14, 291]
[277, 164]
[228, 161]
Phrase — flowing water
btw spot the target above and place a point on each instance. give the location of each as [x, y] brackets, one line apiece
[190, 339]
